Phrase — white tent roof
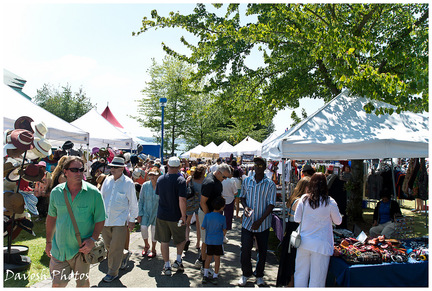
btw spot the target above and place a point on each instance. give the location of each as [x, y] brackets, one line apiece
[225, 149]
[211, 148]
[341, 129]
[270, 138]
[248, 146]
[15, 105]
[197, 150]
[185, 155]
[102, 132]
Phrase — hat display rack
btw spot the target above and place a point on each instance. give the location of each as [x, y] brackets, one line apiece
[26, 140]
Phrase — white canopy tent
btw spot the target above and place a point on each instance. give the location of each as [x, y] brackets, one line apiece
[225, 149]
[248, 146]
[270, 138]
[59, 130]
[211, 148]
[185, 155]
[102, 132]
[342, 130]
[196, 151]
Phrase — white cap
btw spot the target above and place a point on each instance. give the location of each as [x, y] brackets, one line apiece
[174, 162]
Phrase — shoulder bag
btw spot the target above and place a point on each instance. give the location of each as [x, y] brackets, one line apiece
[295, 238]
[98, 252]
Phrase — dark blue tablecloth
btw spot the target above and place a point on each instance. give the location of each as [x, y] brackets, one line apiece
[382, 275]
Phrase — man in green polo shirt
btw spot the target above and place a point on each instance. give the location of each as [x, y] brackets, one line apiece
[61, 243]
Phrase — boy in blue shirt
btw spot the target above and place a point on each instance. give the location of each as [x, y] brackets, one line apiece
[214, 224]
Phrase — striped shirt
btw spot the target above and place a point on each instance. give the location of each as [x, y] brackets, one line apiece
[258, 197]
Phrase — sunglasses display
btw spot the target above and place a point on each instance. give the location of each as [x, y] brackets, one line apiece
[76, 170]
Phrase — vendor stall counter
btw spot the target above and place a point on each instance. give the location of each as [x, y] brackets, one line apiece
[381, 275]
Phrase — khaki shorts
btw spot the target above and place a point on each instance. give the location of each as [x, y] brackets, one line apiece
[63, 271]
[201, 215]
[165, 229]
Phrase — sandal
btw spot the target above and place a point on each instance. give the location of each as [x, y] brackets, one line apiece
[151, 254]
[145, 251]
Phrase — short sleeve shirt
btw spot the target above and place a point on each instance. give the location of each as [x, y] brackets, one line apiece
[258, 197]
[88, 208]
[170, 187]
[214, 224]
[211, 188]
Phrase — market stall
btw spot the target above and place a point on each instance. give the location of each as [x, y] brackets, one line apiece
[342, 130]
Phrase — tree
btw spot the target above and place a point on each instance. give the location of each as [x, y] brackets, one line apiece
[297, 119]
[378, 51]
[170, 80]
[309, 50]
[62, 102]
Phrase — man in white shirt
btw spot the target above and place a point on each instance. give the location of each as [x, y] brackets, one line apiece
[215, 166]
[121, 208]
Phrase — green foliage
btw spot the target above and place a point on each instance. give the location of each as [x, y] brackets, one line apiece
[190, 113]
[62, 102]
[308, 50]
[297, 119]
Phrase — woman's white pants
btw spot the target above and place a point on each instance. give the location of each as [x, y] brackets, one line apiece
[145, 232]
[310, 267]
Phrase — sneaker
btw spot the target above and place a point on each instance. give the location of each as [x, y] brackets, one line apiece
[178, 265]
[260, 281]
[166, 271]
[243, 280]
[211, 272]
[205, 280]
[109, 278]
[125, 261]
[198, 264]
[214, 280]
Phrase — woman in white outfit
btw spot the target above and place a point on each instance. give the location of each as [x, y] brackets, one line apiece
[313, 255]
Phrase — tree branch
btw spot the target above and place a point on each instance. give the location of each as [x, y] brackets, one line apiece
[366, 18]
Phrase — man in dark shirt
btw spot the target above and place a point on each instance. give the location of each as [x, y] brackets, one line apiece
[211, 188]
[171, 189]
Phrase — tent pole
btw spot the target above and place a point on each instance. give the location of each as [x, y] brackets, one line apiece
[283, 196]
[393, 179]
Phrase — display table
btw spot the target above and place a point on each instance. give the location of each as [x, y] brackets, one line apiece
[380, 275]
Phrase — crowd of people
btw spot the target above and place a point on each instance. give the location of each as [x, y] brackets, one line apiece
[166, 199]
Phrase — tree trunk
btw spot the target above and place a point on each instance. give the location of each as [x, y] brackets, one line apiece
[354, 208]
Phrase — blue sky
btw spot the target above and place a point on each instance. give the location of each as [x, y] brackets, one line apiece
[91, 45]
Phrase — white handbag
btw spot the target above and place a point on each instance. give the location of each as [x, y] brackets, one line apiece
[295, 238]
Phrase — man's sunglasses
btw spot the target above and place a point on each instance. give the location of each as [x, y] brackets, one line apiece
[114, 167]
[259, 165]
[75, 170]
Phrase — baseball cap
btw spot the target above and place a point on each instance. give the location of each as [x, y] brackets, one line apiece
[174, 162]
[259, 159]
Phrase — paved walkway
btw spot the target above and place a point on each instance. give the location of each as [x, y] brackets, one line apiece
[145, 272]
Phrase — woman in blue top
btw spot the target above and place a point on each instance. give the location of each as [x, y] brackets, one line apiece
[148, 207]
[384, 215]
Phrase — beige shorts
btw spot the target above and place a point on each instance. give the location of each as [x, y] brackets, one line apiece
[63, 271]
[165, 229]
[201, 215]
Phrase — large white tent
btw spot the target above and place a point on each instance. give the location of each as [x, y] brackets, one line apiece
[15, 105]
[102, 132]
[248, 146]
[211, 148]
[341, 129]
[225, 149]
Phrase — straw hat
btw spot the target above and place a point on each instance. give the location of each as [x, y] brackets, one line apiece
[117, 162]
[39, 129]
[13, 202]
[43, 147]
